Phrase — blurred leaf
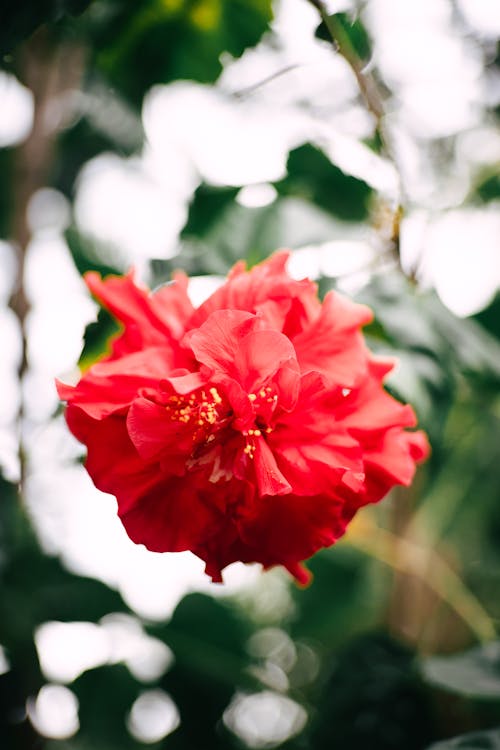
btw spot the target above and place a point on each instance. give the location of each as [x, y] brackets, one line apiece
[352, 29]
[251, 234]
[488, 188]
[206, 207]
[475, 673]
[341, 599]
[472, 741]
[434, 348]
[174, 39]
[90, 254]
[373, 699]
[313, 177]
[105, 696]
[35, 588]
[208, 639]
[53, 593]
[489, 317]
[97, 338]
[106, 125]
[19, 20]
[6, 197]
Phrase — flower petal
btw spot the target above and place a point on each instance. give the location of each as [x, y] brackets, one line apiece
[149, 319]
[234, 343]
[172, 516]
[111, 385]
[270, 480]
[267, 289]
[332, 345]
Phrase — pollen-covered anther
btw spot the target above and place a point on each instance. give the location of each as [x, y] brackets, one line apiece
[199, 409]
[264, 396]
[249, 450]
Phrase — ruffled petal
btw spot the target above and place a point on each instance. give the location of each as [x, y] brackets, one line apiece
[112, 460]
[110, 386]
[270, 480]
[333, 345]
[156, 436]
[312, 449]
[393, 461]
[287, 529]
[172, 516]
[148, 319]
[235, 344]
[370, 408]
[268, 289]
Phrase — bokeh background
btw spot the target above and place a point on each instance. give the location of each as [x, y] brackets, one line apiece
[168, 134]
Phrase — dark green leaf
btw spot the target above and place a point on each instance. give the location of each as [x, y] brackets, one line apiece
[472, 741]
[105, 696]
[353, 30]
[107, 125]
[475, 673]
[174, 40]
[6, 198]
[208, 639]
[253, 234]
[19, 20]
[206, 207]
[488, 188]
[313, 177]
[330, 608]
[489, 317]
[89, 254]
[373, 699]
[97, 338]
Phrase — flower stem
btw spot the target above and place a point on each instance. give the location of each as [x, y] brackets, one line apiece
[366, 83]
[412, 559]
[373, 102]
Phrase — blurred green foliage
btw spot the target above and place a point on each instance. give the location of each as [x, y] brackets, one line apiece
[123, 33]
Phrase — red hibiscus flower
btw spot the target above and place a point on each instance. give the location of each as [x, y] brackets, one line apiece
[251, 428]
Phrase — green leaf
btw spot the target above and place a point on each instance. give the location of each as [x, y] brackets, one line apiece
[107, 125]
[206, 207]
[90, 254]
[472, 741]
[487, 189]
[475, 673]
[252, 234]
[436, 349]
[105, 696]
[341, 599]
[372, 699]
[174, 39]
[313, 177]
[489, 317]
[35, 588]
[19, 20]
[208, 639]
[97, 338]
[6, 197]
[353, 30]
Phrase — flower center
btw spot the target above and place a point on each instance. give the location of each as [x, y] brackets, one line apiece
[199, 411]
